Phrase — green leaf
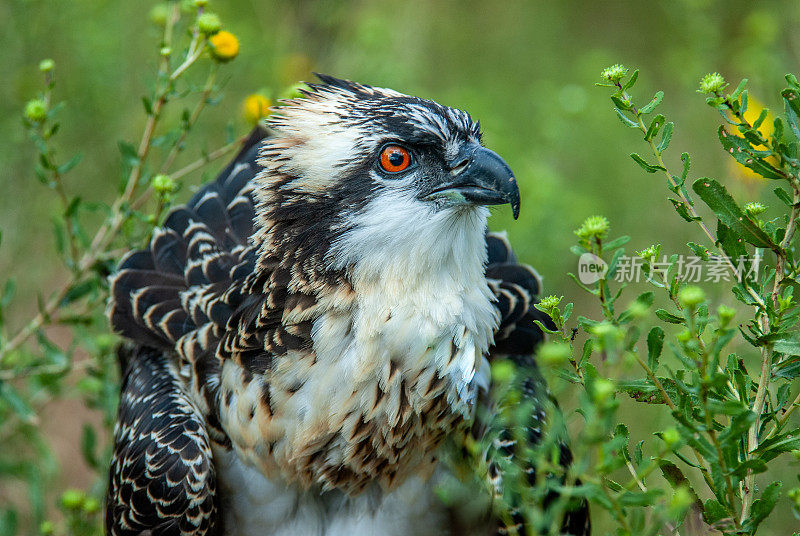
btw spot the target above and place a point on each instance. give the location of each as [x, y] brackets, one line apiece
[787, 346]
[655, 344]
[772, 447]
[622, 435]
[666, 136]
[687, 163]
[683, 211]
[760, 118]
[764, 505]
[617, 242]
[754, 466]
[17, 403]
[640, 498]
[666, 316]
[738, 90]
[738, 426]
[628, 122]
[632, 80]
[744, 153]
[9, 522]
[89, 446]
[791, 108]
[72, 208]
[129, 153]
[713, 512]
[731, 244]
[621, 104]
[78, 291]
[71, 163]
[728, 212]
[645, 166]
[655, 126]
[567, 311]
[653, 104]
[638, 456]
[697, 249]
[783, 196]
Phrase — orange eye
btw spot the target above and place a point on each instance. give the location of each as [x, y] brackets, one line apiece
[395, 158]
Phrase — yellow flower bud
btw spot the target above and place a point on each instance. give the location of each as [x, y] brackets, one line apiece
[224, 46]
[256, 108]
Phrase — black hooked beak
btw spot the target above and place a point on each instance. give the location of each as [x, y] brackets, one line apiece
[479, 176]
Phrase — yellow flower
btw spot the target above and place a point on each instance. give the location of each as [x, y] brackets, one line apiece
[256, 108]
[224, 46]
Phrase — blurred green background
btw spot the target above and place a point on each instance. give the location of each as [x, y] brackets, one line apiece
[526, 70]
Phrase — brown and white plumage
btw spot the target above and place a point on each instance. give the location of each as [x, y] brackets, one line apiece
[321, 324]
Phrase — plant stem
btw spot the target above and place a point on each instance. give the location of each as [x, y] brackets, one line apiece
[177, 147]
[766, 351]
[785, 417]
[109, 229]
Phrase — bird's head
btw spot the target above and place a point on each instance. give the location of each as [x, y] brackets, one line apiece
[377, 164]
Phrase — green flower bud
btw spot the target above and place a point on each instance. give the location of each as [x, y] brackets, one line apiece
[684, 336]
[650, 253]
[607, 329]
[72, 499]
[754, 208]
[47, 528]
[671, 437]
[91, 506]
[209, 23]
[603, 390]
[201, 3]
[796, 454]
[47, 65]
[159, 14]
[638, 309]
[554, 353]
[691, 296]
[794, 495]
[503, 371]
[593, 226]
[164, 184]
[90, 385]
[36, 110]
[712, 83]
[105, 341]
[726, 314]
[165, 51]
[615, 73]
[680, 501]
[549, 303]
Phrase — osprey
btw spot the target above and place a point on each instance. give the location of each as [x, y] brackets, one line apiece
[311, 326]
